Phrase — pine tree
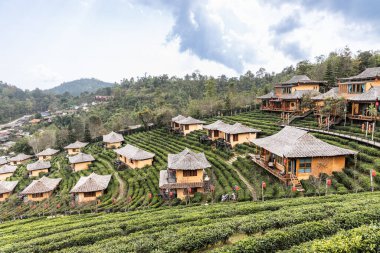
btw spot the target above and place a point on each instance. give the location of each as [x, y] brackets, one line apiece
[329, 75]
[87, 134]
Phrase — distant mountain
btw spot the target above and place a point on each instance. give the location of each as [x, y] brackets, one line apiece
[77, 87]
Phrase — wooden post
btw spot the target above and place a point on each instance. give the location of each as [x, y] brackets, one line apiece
[371, 177]
[373, 129]
[366, 130]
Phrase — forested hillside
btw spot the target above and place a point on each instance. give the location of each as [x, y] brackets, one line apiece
[76, 87]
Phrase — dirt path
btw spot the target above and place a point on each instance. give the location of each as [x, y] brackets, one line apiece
[122, 186]
[242, 178]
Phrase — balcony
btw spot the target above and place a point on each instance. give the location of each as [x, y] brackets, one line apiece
[363, 117]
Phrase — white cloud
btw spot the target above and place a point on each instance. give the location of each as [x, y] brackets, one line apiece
[43, 76]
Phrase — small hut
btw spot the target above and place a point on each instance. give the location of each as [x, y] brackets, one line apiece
[47, 154]
[41, 189]
[135, 157]
[38, 167]
[113, 140]
[6, 189]
[75, 148]
[81, 161]
[189, 124]
[91, 187]
[185, 174]
[20, 159]
[7, 171]
[174, 125]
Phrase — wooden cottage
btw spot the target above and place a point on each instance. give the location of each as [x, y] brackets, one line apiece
[75, 148]
[41, 189]
[113, 140]
[7, 171]
[47, 154]
[134, 157]
[6, 189]
[91, 187]
[38, 167]
[293, 154]
[20, 159]
[287, 96]
[81, 161]
[233, 134]
[185, 174]
[319, 101]
[361, 91]
[189, 124]
[174, 125]
[3, 161]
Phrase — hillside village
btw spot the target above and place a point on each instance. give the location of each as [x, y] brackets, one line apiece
[213, 159]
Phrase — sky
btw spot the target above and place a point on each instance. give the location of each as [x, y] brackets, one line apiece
[46, 42]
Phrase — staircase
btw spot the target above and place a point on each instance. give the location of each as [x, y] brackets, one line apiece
[294, 116]
[296, 183]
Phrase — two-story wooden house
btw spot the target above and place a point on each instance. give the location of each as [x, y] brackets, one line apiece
[47, 154]
[185, 174]
[233, 134]
[6, 189]
[91, 187]
[41, 189]
[287, 96]
[293, 154]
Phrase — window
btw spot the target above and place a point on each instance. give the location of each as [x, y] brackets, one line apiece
[305, 165]
[235, 137]
[190, 173]
[216, 133]
[89, 194]
[186, 127]
[1, 196]
[37, 195]
[286, 90]
[356, 88]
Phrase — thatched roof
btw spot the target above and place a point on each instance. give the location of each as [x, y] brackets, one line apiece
[7, 186]
[268, 96]
[39, 165]
[113, 138]
[76, 144]
[189, 121]
[216, 125]
[134, 153]
[371, 95]
[20, 157]
[81, 158]
[179, 117]
[92, 183]
[292, 142]
[236, 128]
[301, 79]
[332, 93]
[3, 161]
[7, 169]
[368, 73]
[48, 152]
[239, 128]
[188, 160]
[168, 182]
[42, 185]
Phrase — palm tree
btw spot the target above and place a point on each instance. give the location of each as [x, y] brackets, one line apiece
[372, 111]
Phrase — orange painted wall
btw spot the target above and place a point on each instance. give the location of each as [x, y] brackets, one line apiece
[191, 128]
[46, 195]
[113, 145]
[242, 138]
[83, 199]
[35, 173]
[5, 196]
[136, 164]
[182, 179]
[80, 166]
[4, 176]
[45, 158]
[323, 165]
[181, 193]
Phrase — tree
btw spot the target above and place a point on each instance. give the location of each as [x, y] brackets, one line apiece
[87, 134]
[210, 88]
[329, 75]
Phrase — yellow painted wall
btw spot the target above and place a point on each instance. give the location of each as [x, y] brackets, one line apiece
[36, 173]
[80, 166]
[181, 193]
[374, 83]
[191, 128]
[4, 176]
[20, 162]
[213, 137]
[242, 138]
[113, 145]
[5, 196]
[45, 158]
[46, 195]
[323, 165]
[82, 199]
[306, 87]
[136, 164]
[182, 179]
[73, 151]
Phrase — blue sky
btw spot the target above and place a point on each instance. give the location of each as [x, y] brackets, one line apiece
[46, 42]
